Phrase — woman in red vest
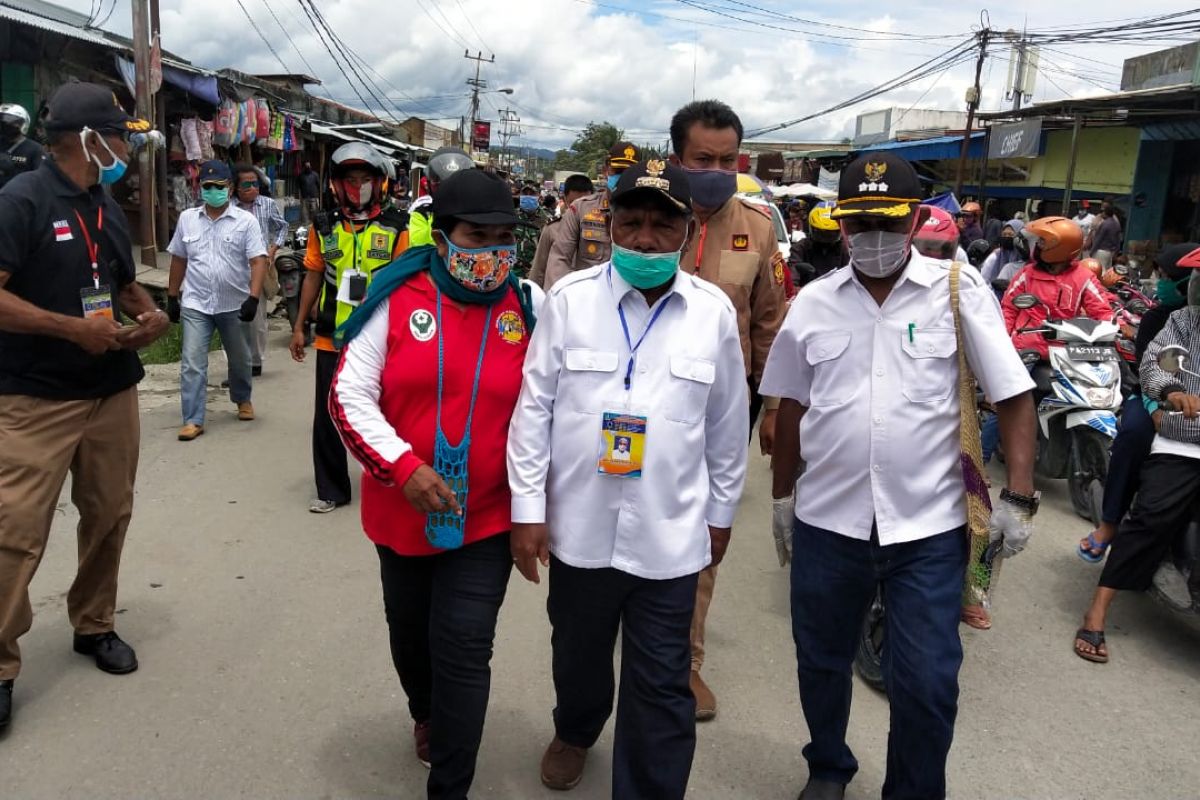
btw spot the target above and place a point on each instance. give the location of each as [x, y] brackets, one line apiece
[430, 374]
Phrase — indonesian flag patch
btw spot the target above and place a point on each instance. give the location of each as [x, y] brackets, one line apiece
[62, 231]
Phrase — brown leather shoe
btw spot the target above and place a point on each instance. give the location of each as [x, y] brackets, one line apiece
[562, 765]
[189, 432]
[706, 701]
[245, 411]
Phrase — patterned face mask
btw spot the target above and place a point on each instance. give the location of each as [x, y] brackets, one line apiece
[480, 269]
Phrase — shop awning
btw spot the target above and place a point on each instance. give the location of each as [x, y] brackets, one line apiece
[939, 148]
[196, 82]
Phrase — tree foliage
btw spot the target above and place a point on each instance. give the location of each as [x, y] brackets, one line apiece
[590, 149]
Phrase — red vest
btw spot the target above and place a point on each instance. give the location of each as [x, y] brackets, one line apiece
[409, 403]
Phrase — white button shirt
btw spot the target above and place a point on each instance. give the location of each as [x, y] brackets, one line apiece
[218, 253]
[688, 379]
[880, 438]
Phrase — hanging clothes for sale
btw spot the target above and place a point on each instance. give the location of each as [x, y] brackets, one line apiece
[262, 128]
[225, 124]
[191, 139]
[204, 130]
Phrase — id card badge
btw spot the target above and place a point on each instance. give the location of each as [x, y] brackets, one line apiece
[353, 287]
[622, 444]
[97, 302]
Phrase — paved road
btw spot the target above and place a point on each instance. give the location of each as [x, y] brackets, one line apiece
[265, 670]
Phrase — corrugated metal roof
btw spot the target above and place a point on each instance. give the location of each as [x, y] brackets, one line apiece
[1175, 131]
[23, 17]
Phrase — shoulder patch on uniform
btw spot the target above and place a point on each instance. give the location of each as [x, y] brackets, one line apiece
[778, 269]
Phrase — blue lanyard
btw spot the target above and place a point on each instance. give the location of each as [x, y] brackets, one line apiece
[633, 348]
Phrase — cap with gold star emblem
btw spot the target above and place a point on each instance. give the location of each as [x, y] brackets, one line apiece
[623, 155]
[877, 185]
[659, 176]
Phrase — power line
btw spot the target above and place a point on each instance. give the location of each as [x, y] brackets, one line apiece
[262, 36]
[453, 31]
[347, 55]
[467, 16]
[329, 50]
[304, 60]
[754, 10]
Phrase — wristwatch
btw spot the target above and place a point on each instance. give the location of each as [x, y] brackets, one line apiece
[1024, 501]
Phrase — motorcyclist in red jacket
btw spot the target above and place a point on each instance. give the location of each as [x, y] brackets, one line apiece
[1065, 288]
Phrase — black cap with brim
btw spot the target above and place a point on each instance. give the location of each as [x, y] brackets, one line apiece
[655, 177]
[623, 155]
[77, 105]
[877, 185]
[474, 196]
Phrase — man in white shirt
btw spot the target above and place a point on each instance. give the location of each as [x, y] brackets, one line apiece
[630, 349]
[218, 262]
[866, 364]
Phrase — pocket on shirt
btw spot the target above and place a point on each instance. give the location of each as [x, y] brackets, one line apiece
[831, 381]
[590, 374]
[691, 380]
[930, 367]
[740, 269]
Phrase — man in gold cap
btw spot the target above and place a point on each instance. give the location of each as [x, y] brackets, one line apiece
[582, 239]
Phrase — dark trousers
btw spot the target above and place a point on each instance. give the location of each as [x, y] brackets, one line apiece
[1129, 452]
[330, 467]
[1166, 502]
[834, 579]
[756, 404]
[441, 615]
[655, 737]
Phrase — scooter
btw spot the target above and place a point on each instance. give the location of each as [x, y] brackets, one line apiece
[1078, 392]
[289, 263]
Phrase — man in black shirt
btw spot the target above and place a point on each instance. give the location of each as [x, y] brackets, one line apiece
[310, 192]
[17, 153]
[69, 371]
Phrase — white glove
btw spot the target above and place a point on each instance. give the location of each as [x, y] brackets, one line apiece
[1012, 526]
[783, 520]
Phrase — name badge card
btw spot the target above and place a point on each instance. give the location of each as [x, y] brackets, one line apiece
[622, 444]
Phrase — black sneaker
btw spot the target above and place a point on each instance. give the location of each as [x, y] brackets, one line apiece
[112, 655]
[256, 372]
[6, 689]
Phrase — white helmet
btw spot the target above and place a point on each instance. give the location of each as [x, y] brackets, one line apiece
[15, 114]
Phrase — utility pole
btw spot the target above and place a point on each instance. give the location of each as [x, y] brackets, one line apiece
[508, 129]
[160, 153]
[1018, 87]
[973, 96]
[145, 110]
[476, 84]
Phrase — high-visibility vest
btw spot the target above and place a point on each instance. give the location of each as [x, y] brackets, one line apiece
[345, 250]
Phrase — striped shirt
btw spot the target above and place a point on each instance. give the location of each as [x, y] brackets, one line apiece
[270, 220]
[218, 254]
[1183, 330]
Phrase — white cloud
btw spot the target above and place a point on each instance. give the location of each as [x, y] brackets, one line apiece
[574, 61]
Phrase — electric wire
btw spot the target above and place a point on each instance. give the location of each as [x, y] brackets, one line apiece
[329, 50]
[348, 55]
[478, 35]
[263, 36]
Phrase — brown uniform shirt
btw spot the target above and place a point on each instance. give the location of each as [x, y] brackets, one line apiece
[538, 272]
[736, 250]
[583, 241]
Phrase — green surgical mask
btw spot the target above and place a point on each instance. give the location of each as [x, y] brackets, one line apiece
[215, 198]
[645, 270]
[1167, 292]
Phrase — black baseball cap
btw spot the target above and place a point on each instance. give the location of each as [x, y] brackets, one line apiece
[659, 177]
[473, 195]
[877, 185]
[77, 105]
[623, 155]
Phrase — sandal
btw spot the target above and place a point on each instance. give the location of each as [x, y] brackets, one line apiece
[1089, 553]
[1096, 640]
[977, 617]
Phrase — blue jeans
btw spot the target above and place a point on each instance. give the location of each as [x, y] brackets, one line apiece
[198, 329]
[834, 579]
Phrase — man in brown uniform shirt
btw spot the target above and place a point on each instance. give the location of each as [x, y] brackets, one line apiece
[582, 239]
[575, 187]
[734, 247]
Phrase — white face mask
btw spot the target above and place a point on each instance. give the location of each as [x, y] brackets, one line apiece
[365, 192]
[878, 254]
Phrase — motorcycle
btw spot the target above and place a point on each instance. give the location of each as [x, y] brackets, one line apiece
[1078, 392]
[289, 263]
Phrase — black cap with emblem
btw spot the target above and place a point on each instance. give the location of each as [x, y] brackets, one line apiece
[78, 105]
[877, 185]
[623, 155]
[659, 177]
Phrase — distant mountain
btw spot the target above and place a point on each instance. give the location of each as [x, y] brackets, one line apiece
[532, 152]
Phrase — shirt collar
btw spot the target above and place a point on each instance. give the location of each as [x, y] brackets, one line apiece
[620, 287]
[228, 212]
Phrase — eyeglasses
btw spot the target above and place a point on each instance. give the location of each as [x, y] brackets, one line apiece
[214, 185]
[248, 185]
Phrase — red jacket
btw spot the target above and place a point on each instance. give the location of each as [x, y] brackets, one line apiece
[1074, 293]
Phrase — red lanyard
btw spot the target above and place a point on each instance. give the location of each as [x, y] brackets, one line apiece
[93, 248]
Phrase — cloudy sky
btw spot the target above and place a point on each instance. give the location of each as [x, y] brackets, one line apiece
[633, 62]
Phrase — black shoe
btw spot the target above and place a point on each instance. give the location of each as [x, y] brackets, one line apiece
[6, 688]
[112, 654]
[256, 371]
[822, 790]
